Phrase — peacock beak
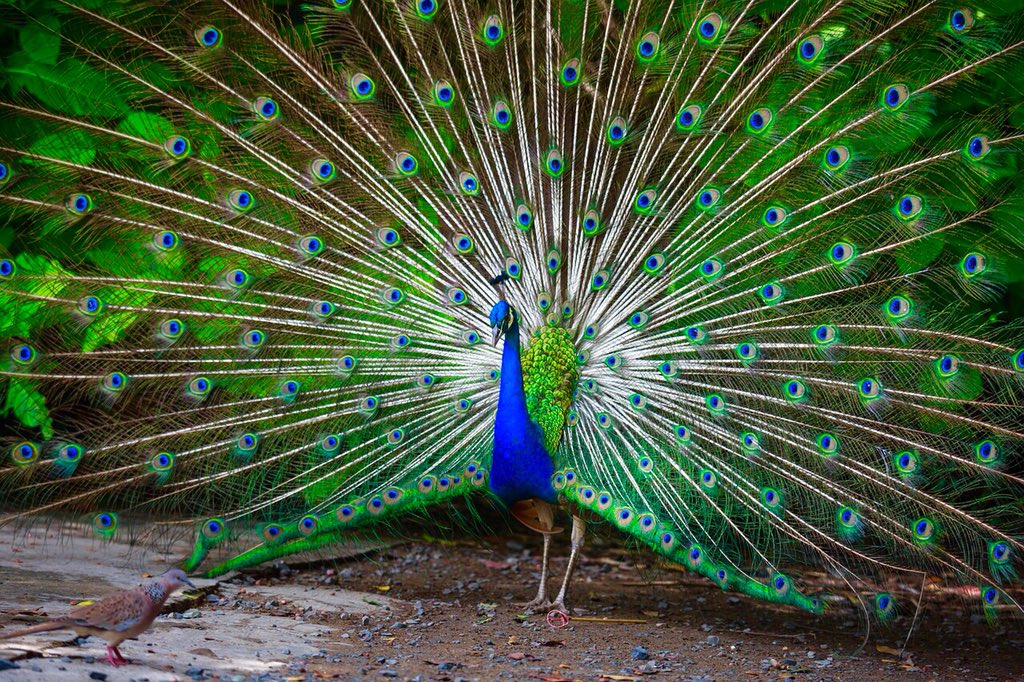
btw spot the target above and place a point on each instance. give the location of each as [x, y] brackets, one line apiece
[495, 334]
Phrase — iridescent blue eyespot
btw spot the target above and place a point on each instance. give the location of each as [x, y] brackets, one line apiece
[79, 204]
[208, 36]
[895, 96]
[647, 47]
[7, 268]
[165, 240]
[709, 29]
[977, 147]
[493, 30]
[571, 72]
[426, 8]
[688, 117]
[265, 108]
[760, 120]
[177, 147]
[961, 20]
[23, 354]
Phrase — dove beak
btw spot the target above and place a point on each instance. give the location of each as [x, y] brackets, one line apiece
[189, 583]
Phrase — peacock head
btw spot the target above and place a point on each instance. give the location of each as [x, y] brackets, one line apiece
[503, 318]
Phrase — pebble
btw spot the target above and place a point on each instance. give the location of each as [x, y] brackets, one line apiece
[640, 653]
[191, 613]
[94, 675]
[713, 640]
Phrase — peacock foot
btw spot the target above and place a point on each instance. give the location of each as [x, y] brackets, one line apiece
[538, 605]
[558, 605]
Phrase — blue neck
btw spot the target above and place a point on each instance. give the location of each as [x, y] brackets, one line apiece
[511, 395]
[521, 468]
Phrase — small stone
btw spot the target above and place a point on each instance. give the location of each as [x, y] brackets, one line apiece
[713, 640]
[95, 675]
[388, 673]
[191, 613]
[640, 653]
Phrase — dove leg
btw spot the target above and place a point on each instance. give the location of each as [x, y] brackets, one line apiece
[541, 600]
[114, 656]
[579, 530]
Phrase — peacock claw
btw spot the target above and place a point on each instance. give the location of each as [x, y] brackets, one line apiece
[536, 605]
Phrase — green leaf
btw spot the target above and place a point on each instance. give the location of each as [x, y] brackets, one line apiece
[71, 145]
[72, 87]
[41, 40]
[148, 126]
[28, 405]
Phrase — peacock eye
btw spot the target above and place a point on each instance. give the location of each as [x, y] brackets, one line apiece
[362, 86]
[711, 268]
[23, 354]
[253, 339]
[809, 49]
[571, 72]
[512, 268]
[895, 96]
[973, 264]
[774, 216]
[825, 334]
[977, 147]
[311, 246]
[795, 390]
[266, 108]
[835, 158]
[553, 260]
[524, 216]
[710, 28]
[600, 280]
[240, 200]
[688, 117]
[543, 301]
[898, 308]
[501, 114]
[869, 388]
[444, 93]
[469, 184]
[554, 165]
[638, 319]
[237, 278]
[655, 263]
[961, 20]
[947, 366]
[322, 170]
[828, 444]
[79, 204]
[644, 202]
[909, 207]
[493, 31]
[426, 9]
[842, 253]
[617, 130]
[208, 36]
[708, 198]
[166, 240]
[457, 295]
[392, 296]
[771, 293]
[591, 223]
[647, 47]
[7, 268]
[747, 352]
[760, 120]
[177, 147]
[406, 164]
[90, 306]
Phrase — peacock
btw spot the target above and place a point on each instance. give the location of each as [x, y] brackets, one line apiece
[739, 280]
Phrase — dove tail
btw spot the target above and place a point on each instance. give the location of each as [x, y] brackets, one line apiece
[47, 626]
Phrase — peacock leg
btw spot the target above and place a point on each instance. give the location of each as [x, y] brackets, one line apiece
[579, 530]
[541, 600]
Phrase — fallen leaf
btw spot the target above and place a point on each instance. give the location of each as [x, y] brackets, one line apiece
[887, 650]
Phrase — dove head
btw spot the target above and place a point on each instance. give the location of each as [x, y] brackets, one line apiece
[176, 578]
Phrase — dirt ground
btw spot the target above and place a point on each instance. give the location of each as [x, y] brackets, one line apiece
[434, 610]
